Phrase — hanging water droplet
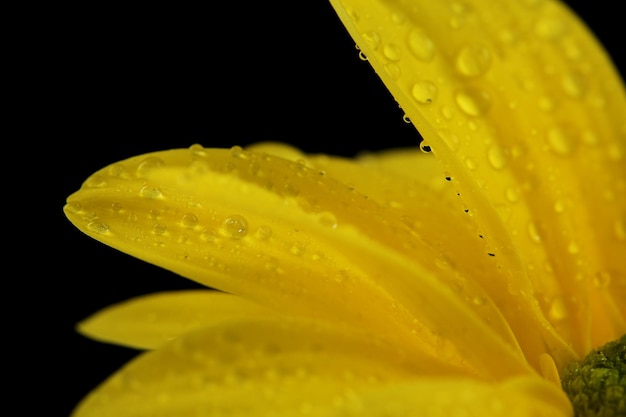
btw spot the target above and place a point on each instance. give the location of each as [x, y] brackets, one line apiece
[473, 101]
[150, 191]
[98, 227]
[238, 152]
[424, 92]
[421, 46]
[235, 227]
[473, 60]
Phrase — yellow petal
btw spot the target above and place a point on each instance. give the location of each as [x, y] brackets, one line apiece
[308, 246]
[527, 113]
[149, 321]
[261, 367]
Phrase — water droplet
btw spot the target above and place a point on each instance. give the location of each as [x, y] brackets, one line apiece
[190, 220]
[328, 219]
[473, 101]
[197, 150]
[263, 232]
[473, 60]
[573, 248]
[373, 39]
[95, 181]
[479, 300]
[470, 163]
[150, 191]
[421, 46]
[573, 85]
[496, 157]
[558, 309]
[602, 279]
[424, 147]
[393, 70]
[238, 152]
[533, 232]
[546, 103]
[98, 227]
[116, 207]
[549, 28]
[559, 206]
[297, 248]
[235, 227]
[159, 228]
[118, 170]
[512, 195]
[424, 92]
[290, 190]
[559, 141]
[73, 207]
[149, 164]
[391, 52]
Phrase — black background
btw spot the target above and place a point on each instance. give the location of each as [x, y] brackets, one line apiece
[112, 82]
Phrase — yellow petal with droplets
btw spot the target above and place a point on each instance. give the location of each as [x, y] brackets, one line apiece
[149, 321]
[527, 113]
[289, 237]
[289, 368]
[413, 187]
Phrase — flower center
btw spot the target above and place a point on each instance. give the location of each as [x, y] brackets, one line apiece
[596, 386]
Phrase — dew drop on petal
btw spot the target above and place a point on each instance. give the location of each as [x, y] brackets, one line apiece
[424, 92]
[190, 220]
[372, 38]
[328, 219]
[496, 157]
[421, 46]
[473, 101]
[197, 150]
[235, 227]
[473, 60]
[148, 164]
[573, 248]
[150, 191]
[559, 141]
[263, 232]
[98, 227]
[602, 279]
[73, 207]
[620, 229]
[391, 52]
[159, 228]
[558, 309]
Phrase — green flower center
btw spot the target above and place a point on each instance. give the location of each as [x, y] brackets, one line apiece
[596, 386]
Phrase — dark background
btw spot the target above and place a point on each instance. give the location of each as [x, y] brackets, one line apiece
[114, 82]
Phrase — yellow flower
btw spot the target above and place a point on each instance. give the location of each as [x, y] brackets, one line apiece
[394, 284]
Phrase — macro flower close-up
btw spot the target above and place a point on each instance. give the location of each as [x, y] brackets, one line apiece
[468, 276]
